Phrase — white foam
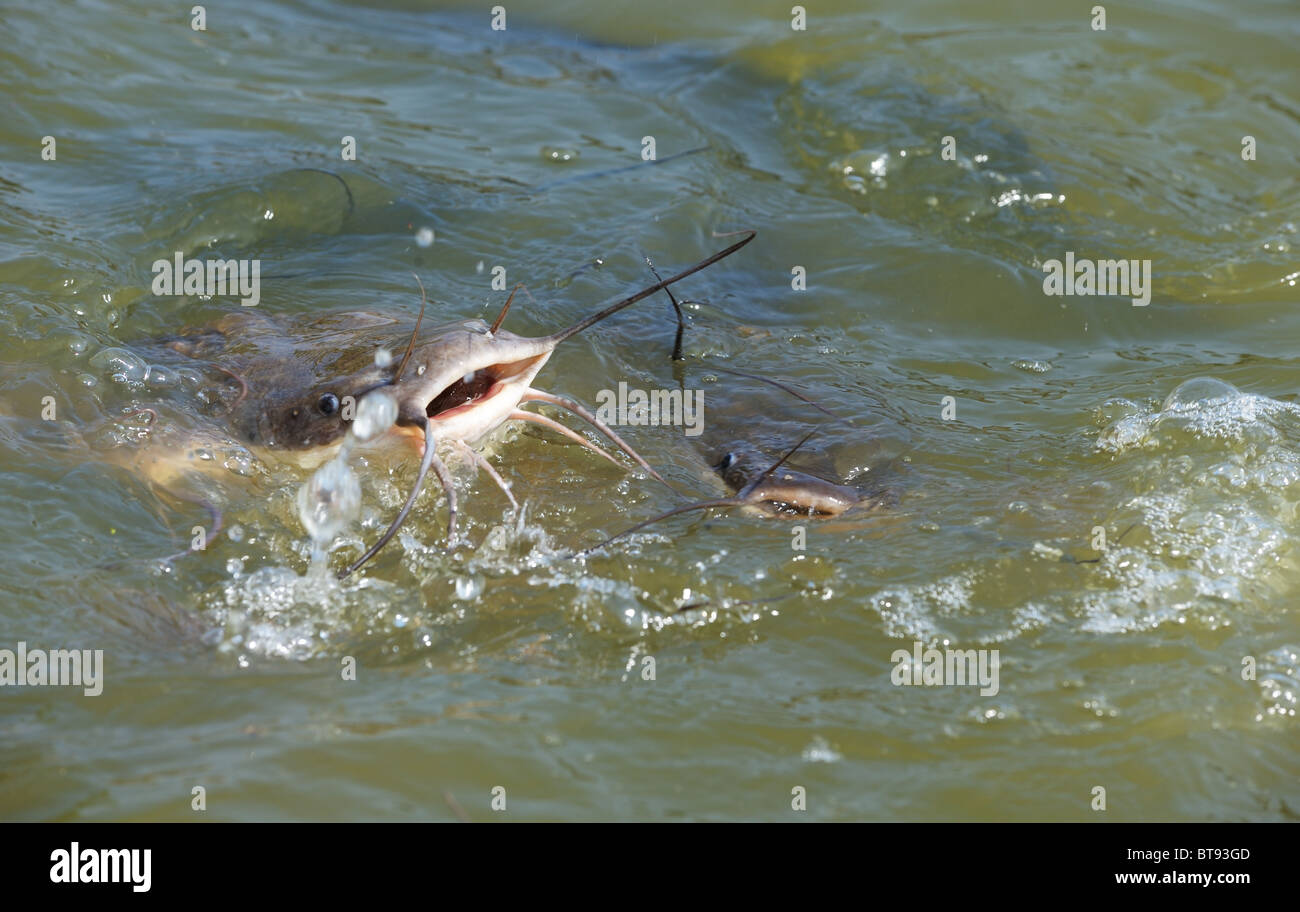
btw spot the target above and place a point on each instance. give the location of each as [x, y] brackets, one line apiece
[1203, 408]
[1216, 469]
[910, 612]
[275, 613]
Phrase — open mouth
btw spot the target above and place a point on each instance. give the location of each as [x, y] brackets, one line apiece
[476, 387]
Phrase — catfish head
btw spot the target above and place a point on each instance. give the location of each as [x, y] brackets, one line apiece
[464, 382]
[291, 412]
[770, 488]
[783, 491]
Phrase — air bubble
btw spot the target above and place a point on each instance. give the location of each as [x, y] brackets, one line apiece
[120, 364]
[1199, 389]
[468, 588]
[559, 154]
[161, 377]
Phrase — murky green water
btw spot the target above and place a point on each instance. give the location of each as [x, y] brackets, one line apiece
[507, 665]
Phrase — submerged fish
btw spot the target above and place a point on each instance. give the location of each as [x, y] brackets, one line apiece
[767, 488]
[782, 491]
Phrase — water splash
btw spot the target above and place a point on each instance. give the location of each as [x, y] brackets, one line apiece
[376, 413]
[1202, 408]
[1215, 470]
[330, 500]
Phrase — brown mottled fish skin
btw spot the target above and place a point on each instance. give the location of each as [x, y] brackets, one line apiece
[264, 380]
[289, 384]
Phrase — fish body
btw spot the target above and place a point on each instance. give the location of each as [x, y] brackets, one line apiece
[784, 492]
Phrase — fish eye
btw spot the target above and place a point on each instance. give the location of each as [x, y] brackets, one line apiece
[728, 460]
[329, 404]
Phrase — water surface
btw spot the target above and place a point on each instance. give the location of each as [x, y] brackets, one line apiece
[506, 664]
